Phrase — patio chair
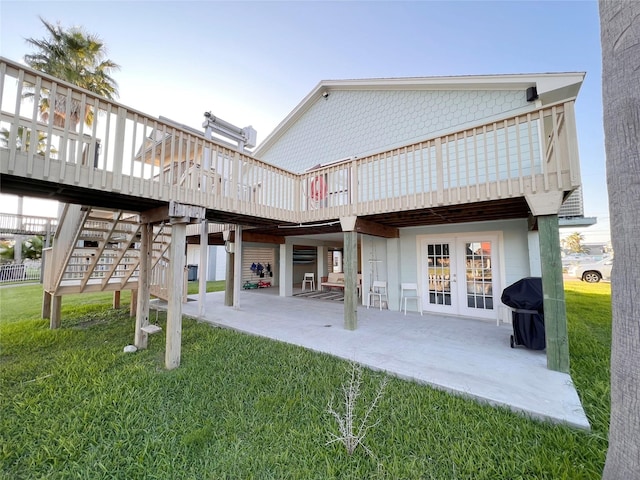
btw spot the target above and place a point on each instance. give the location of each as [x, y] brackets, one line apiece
[409, 291]
[379, 290]
[309, 279]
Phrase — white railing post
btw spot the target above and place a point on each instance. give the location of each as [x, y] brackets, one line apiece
[439, 172]
[119, 149]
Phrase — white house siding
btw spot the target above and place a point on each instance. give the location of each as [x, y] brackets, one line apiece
[217, 261]
[535, 261]
[356, 123]
[513, 253]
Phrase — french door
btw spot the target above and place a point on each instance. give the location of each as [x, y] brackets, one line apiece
[460, 275]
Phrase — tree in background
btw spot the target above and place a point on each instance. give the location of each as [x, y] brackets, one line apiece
[23, 140]
[574, 243]
[31, 249]
[620, 37]
[76, 57]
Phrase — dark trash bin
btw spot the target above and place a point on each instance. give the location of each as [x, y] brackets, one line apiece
[192, 276]
[526, 299]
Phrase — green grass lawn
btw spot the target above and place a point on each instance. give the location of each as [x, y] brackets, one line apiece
[73, 405]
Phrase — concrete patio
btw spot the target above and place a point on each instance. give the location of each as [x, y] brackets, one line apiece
[464, 356]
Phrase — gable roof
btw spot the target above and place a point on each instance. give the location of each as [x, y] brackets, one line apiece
[551, 88]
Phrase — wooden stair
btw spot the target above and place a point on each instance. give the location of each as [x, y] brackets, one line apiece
[160, 261]
[99, 250]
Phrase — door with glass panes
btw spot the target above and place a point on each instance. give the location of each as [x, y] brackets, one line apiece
[460, 275]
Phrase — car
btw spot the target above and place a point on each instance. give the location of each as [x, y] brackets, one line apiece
[592, 272]
[577, 258]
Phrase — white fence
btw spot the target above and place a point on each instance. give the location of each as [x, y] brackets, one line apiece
[28, 271]
[27, 225]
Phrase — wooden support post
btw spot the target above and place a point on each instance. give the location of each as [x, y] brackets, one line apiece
[350, 262]
[229, 281]
[133, 304]
[56, 311]
[176, 280]
[555, 314]
[203, 264]
[46, 304]
[237, 265]
[142, 307]
[116, 299]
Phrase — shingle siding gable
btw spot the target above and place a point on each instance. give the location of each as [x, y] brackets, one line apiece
[349, 123]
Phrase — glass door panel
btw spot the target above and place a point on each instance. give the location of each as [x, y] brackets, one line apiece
[440, 295]
[479, 275]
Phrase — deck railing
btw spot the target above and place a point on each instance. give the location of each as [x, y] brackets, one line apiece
[11, 223]
[125, 151]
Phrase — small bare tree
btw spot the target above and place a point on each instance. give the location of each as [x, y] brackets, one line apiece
[352, 429]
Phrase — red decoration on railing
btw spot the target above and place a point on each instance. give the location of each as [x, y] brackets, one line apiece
[318, 189]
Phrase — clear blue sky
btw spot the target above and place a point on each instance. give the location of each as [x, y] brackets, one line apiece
[251, 63]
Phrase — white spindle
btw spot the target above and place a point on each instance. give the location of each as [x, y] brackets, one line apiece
[35, 140]
[106, 151]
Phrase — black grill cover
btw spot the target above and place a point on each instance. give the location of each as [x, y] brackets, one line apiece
[526, 298]
[524, 294]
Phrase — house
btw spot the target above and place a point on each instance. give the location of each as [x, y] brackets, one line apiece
[453, 183]
[453, 175]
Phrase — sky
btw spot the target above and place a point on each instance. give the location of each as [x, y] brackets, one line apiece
[251, 63]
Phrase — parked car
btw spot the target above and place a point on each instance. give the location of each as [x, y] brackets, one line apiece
[592, 272]
[576, 258]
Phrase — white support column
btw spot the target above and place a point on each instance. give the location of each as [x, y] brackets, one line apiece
[237, 267]
[142, 309]
[321, 262]
[176, 280]
[204, 263]
[17, 248]
[286, 270]
[393, 272]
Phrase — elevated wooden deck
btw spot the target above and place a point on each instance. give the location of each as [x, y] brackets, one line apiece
[515, 165]
[131, 161]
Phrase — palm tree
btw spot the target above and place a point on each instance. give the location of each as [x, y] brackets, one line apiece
[574, 243]
[23, 140]
[620, 31]
[75, 57]
[31, 249]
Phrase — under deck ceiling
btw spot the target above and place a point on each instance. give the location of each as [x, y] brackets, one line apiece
[504, 209]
